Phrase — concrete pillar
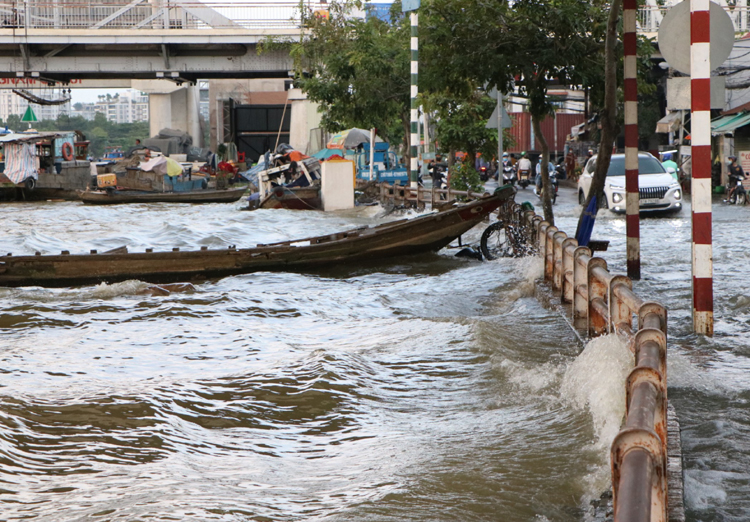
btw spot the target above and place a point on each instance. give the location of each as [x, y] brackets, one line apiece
[160, 112]
[194, 115]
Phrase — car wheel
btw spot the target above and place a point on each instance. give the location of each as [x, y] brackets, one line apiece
[581, 198]
[605, 203]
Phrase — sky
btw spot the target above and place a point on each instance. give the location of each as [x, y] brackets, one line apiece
[91, 95]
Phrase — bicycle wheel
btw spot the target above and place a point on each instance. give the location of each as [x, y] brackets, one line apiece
[495, 242]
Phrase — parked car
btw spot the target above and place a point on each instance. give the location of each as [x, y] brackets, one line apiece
[658, 190]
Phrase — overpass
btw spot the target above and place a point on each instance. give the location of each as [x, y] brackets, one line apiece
[651, 14]
[80, 43]
[180, 40]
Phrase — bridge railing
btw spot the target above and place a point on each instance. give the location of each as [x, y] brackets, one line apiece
[605, 303]
[649, 17]
[151, 14]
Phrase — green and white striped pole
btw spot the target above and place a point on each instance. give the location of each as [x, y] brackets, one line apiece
[414, 139]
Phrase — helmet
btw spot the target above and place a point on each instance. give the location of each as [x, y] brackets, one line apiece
[667, 156]
[732, 157]
[505, 154]
[523, 153]
[591, 152]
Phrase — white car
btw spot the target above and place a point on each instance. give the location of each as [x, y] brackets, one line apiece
[658, 190]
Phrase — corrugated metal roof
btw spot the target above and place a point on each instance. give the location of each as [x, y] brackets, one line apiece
[727, 124]
[8, 138]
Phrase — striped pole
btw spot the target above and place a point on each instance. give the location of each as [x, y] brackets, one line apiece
[632, 203]
[414, 140]
[700, 132]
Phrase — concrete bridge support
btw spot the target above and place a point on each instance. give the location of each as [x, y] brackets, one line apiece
[177, 109]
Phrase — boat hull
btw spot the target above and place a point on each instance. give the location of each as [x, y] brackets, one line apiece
[404, 237]
[298, 198]
[198, 196]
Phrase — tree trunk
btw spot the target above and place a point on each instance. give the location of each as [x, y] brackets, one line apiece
[608, 114]
[544, 167]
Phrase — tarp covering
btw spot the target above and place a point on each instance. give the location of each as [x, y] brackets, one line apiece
[669, 123]
[162, 165]
[21, 161]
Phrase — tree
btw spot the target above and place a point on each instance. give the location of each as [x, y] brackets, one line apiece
[608, 114]
[461, 124]
[527, 45]
[356, 69]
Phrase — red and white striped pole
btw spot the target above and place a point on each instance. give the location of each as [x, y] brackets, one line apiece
[700, 132]
[632, 203]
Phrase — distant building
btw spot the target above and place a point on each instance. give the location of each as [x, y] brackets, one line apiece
[126, 107]
[11, 103]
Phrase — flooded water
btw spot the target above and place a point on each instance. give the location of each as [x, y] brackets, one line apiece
[426, 388]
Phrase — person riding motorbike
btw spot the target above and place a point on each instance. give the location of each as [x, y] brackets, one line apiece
[509, 171]
[524, 170]
[551, 170]
[736, 176]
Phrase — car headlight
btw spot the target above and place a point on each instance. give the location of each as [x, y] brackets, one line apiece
[678, 194]
[616, 197]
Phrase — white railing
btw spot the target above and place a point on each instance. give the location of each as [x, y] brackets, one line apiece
[151, 14]
[650, 16]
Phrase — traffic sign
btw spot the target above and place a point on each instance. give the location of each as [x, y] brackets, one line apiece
[29, 115]
[492, 122]
[409, 5]
[674, 39]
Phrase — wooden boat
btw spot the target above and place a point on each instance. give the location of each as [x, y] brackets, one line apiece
[103, 197]
[297, 198]
[409, 236]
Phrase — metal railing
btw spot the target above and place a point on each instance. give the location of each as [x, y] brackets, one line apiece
[152, 14]
[605, 303]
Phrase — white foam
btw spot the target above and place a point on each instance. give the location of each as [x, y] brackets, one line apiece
[595, 382]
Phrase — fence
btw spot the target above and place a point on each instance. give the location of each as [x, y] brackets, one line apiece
[418, 197]
[605, 303]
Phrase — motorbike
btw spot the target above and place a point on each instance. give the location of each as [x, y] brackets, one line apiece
[524, 178]
[440, 179]
[737, 193]
[509, 173]
[555, 186]
[484, 175]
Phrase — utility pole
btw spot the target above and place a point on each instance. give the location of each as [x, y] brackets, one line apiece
[411, 7]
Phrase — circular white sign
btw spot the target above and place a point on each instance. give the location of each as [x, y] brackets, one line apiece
[674, 36]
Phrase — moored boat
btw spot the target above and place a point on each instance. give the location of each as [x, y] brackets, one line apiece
[426, 233]
[104, 197]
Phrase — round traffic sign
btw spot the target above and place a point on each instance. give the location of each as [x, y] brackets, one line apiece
[674, 36]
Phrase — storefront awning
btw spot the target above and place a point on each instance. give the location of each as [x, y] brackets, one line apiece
[728, 124]
[669, 123]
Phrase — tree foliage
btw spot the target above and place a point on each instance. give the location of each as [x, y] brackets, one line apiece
[357, 70]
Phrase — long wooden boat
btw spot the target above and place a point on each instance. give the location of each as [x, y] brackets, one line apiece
[297, 198]
[101, 197]
[409, 236]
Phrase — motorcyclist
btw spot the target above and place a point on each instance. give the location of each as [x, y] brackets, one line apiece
[550, 170]
[736, 175]
[507, 169]
[735, 170]
[524, 167]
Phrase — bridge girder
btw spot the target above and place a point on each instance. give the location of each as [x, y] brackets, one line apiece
[185, 55]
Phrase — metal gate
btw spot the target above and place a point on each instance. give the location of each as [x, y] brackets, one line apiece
[260, 127]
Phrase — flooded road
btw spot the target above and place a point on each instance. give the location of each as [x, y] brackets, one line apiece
[426, 388]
